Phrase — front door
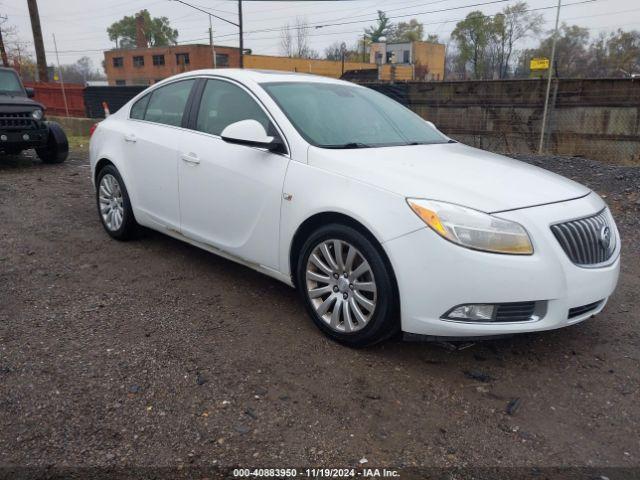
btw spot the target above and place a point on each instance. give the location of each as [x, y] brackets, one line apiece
[230, 195]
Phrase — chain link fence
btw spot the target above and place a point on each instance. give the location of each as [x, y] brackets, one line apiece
[592, 118]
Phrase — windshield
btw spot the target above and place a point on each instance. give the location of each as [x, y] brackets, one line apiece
[9, 83]
[344, 116]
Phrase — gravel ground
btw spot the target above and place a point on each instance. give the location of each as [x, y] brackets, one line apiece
[154, 353]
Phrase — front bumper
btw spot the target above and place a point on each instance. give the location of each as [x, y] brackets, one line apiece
[15, 138]
[435, 275]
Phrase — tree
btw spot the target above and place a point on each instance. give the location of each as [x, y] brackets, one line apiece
[296, 44]
[411, 31]
[432, 38]
[351, 54]
[157, 31]
[471, 36]
[382, 29]
[84, 66]
[488, 44]
[512, 25]
[623, 52]
[572, 56]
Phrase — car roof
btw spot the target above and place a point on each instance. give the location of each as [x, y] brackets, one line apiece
[262, 76]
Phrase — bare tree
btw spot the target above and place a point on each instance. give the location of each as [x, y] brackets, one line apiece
[294, 40]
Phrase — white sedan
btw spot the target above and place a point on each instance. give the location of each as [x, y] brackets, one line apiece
[379, 220]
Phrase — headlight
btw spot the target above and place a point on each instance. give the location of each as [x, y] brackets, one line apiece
[473, 229]
[37, 114]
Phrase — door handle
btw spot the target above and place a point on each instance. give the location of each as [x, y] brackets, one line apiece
[190, 158]
[130, 137]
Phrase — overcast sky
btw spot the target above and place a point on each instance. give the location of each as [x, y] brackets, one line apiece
[80, 25]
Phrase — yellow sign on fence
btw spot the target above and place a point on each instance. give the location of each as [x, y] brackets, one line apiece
[539, 64]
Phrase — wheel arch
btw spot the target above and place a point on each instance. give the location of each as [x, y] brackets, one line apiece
[100, 164]
[323, 218]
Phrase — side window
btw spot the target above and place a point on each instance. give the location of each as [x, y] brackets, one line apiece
[166, 104]
[224, 103]
[138, 109]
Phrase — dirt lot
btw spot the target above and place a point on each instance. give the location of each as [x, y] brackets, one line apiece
[156, 353]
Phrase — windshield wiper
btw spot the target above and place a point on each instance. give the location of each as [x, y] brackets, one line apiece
[350, 145]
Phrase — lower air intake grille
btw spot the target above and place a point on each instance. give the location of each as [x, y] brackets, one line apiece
[587, 241]
[579, 311]
[515, 312]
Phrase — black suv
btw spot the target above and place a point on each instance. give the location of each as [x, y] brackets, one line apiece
[22, 123]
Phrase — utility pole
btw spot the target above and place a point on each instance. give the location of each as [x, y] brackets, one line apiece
[239, 24]
[364, 48]
[213, 49]
[64, 95]
[240, 33]
[3, 52]
[549, 75]
[37, 40]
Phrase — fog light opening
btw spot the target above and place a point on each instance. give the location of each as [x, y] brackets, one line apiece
[475, 312]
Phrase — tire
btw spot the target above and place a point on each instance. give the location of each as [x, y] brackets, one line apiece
[57, 148]
[112, 196]
[370, 282]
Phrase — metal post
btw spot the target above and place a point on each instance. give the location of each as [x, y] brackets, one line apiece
[213, 49]
[549, 75]
[64, 95]
[240, 33]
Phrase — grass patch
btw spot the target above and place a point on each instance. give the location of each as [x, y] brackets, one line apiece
[78, 142]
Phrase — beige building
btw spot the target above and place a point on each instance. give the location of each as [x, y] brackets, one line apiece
[422, 61]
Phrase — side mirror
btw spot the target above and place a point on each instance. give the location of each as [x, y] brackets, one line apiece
[250, 133]
[432, 125]
[30, 92]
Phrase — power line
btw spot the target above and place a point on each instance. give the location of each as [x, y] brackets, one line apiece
[321, 25]
[358, 31]
[429, 23]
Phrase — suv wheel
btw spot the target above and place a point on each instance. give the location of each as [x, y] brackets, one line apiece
[347, 286]
[57, 148]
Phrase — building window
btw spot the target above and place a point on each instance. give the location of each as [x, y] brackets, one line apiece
[405, 56]
[120, 83]
[158, 60]
[222, 60]
[117, 62]
[138, 61]
[182, 58]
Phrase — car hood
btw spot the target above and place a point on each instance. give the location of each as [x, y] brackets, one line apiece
[450, 172]
[18, 101]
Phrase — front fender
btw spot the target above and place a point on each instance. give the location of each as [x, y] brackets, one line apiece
[313, 191]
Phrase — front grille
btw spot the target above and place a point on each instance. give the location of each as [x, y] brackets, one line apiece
[515, 312]
[587, 241]
[17, 120]
[578, 311]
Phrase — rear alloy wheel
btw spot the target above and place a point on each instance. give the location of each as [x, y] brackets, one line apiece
[114, 206]
[347, 287]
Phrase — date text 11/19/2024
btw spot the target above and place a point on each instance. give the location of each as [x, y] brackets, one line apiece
[315, 472]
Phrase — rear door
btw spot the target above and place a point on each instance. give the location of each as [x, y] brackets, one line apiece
[151, 142]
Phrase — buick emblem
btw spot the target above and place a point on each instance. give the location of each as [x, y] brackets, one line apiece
[605, 237]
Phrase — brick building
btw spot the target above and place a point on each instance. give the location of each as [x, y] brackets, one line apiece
[144, 66]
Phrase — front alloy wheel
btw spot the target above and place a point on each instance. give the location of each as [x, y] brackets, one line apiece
[341, 286]
[347, 286]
